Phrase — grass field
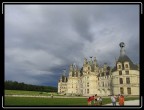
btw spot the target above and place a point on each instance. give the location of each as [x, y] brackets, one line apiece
[21, 92]
[29, 101]
[43, 101]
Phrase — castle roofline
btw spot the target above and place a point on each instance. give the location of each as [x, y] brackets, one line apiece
[123, 59]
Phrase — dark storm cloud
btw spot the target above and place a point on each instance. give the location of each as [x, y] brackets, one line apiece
[42, 40]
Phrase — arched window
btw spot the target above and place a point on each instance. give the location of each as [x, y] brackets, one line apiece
[87, 91]
[128, 80]
[121, 81]
[129, 90]
[121, 90]
[126, 65]
[119, 66]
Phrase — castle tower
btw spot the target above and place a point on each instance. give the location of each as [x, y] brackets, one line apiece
[95, 61]
[85, 61]
[91, 62]
[125, 75]
[71, 70]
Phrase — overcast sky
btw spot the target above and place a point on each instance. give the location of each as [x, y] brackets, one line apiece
[42, 40]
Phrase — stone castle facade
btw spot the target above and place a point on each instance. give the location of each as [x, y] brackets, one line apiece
[92, 79]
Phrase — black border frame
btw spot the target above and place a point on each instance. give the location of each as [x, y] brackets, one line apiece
[73, 3]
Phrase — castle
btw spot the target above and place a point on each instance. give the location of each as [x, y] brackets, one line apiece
[103, 81]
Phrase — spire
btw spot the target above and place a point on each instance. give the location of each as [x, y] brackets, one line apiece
[91, 60]
[122, 51]
[71, 67]
[74, 65]
[105, 66]
[85, 61]
[95, 61]
[64, 72]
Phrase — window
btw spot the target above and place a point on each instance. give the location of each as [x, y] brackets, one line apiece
[87, 91]
[121, 90]
[126, 65]
[102, 74]
[87, 84]
[128, 80]
[121, 81]
[120, 72]
[119, 66]
[127, 72]
[129, 90]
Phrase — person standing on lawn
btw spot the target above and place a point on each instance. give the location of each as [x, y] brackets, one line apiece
[100, 101]
[121, 100]
[89, 101]
[113, 99]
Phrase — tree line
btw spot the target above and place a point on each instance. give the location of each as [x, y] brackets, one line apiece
[14, 85]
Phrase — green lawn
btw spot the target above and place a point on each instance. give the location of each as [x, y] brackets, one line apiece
[29, 101]
[21, 92]
[37, 101]
[42, 101]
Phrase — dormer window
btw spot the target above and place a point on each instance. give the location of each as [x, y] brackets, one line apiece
[126, 65]
[119, 66]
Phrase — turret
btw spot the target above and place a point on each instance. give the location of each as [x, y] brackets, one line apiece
[85, 61]
[71, 67]
[95, 61]
[91, 62]
[71, 70]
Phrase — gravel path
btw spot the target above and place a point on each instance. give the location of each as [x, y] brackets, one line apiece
[131, 102]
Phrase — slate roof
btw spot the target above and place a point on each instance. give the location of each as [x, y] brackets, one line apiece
[124, 58]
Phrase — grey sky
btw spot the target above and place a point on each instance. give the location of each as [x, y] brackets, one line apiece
[42, 40]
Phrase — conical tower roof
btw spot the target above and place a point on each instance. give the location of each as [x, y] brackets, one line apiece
[124, 58]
